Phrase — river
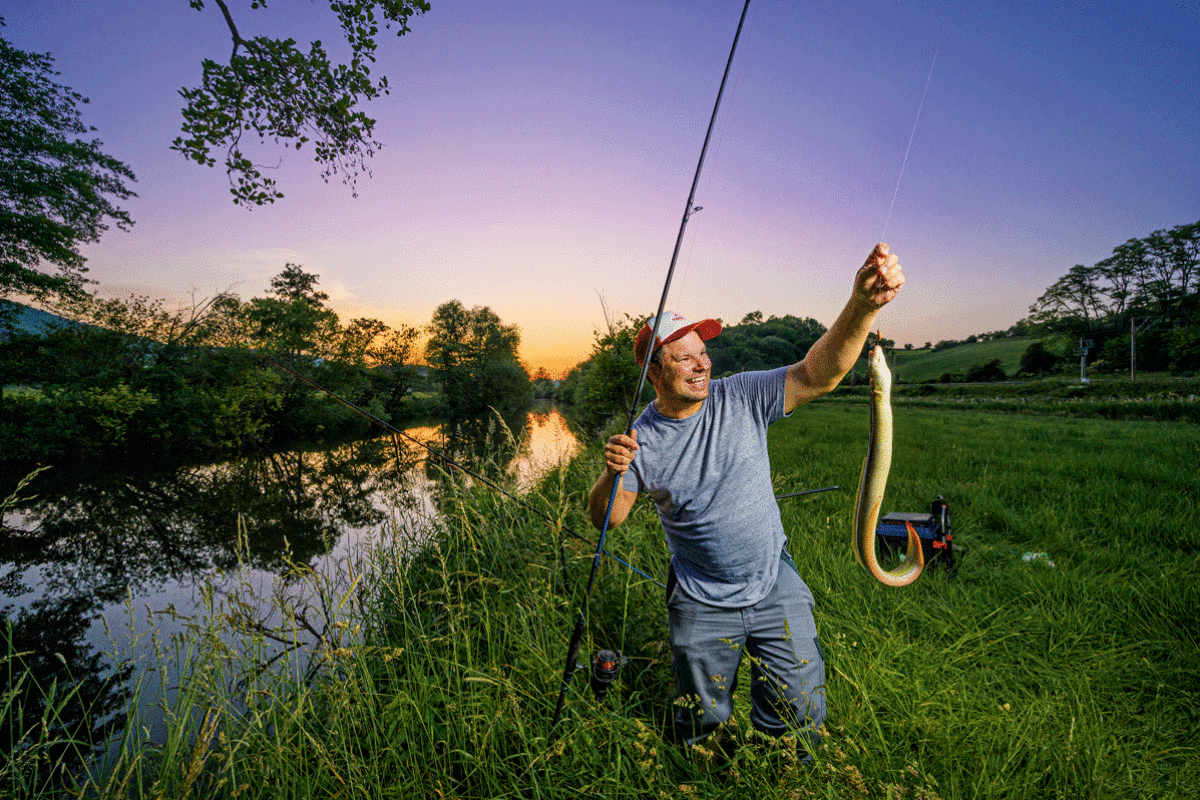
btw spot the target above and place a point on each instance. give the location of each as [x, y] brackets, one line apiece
[101, 568]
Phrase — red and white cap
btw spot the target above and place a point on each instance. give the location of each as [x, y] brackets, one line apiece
[673, 326]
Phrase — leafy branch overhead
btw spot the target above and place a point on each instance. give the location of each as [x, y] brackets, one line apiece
[273, 89]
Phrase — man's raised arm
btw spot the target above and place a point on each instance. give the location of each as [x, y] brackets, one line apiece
[876, 284]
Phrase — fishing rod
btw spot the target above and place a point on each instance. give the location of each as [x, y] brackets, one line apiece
[689, 209]
[806, 491]
[491, 484]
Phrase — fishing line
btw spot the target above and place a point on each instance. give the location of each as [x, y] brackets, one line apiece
[883, 237]
[689, 209]
[489, 483]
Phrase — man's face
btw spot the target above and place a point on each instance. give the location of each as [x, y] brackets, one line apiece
[685, 370]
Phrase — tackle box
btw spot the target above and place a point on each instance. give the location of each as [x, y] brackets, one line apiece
[933, 528]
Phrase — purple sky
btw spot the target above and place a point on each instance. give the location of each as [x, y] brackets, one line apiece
[539, 154]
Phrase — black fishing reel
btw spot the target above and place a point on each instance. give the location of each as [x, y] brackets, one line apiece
[941, 512]
[606, 666]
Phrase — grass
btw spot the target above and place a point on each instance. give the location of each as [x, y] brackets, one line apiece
[1014, 678]
[438, 669]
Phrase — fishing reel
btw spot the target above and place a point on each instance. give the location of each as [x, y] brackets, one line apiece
[606, 666]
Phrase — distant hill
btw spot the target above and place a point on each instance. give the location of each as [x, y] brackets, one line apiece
[35, 321]
[915, 366]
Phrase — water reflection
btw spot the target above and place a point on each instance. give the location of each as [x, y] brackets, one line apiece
[79, 548]
[520, 450]
[548, 442]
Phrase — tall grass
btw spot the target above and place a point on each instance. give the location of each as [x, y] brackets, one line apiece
[437, 670]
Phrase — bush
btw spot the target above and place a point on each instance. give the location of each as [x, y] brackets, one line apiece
[1153, 353]
[1185, 348]
[1038, 360]
[986, 373]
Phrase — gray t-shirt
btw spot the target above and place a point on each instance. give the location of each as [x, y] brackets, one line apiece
[710, 478]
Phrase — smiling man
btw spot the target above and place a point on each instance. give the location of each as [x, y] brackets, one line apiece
[699, 451]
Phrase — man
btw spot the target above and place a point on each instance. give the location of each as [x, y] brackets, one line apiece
[699, 450]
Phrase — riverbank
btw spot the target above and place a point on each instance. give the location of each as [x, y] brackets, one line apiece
[1067, 676]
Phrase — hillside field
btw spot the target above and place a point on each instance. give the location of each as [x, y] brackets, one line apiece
[915, 366]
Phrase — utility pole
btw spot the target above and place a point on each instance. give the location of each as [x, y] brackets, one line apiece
[1132, 349]
[1133, 329]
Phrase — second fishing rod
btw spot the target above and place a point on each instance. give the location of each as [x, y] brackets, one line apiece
[689, 209]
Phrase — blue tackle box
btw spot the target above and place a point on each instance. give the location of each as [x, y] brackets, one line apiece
[933, 528]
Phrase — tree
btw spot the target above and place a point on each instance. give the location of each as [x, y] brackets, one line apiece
[1185, 348]
[609, 377]
[295, 284]
[543, 384]
[57, 191]
[1038, 360]
[1185, 257]
[357, 338]
[987, 372]
[776, 350]
[459, 337]
[295, 321]
[1076, 297]
[210, 321]
[395, 347]
[1120, 271]
[271, 88]
[873, 339]
[1154, 276]
[762, 344]
[475, 357]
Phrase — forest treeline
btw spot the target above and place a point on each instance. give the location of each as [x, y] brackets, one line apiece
[129, 376]
[1147, 292]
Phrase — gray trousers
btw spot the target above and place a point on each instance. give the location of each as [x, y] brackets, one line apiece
[787, 671]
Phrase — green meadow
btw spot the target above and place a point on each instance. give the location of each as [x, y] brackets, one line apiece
[914, 366]
[1071, 674]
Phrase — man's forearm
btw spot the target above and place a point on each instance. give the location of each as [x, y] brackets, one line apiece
[834, 354]
[598, 498]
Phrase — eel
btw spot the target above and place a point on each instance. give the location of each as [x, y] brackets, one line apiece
[874, 481]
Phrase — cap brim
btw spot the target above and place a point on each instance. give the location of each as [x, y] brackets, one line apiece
[707, 329]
